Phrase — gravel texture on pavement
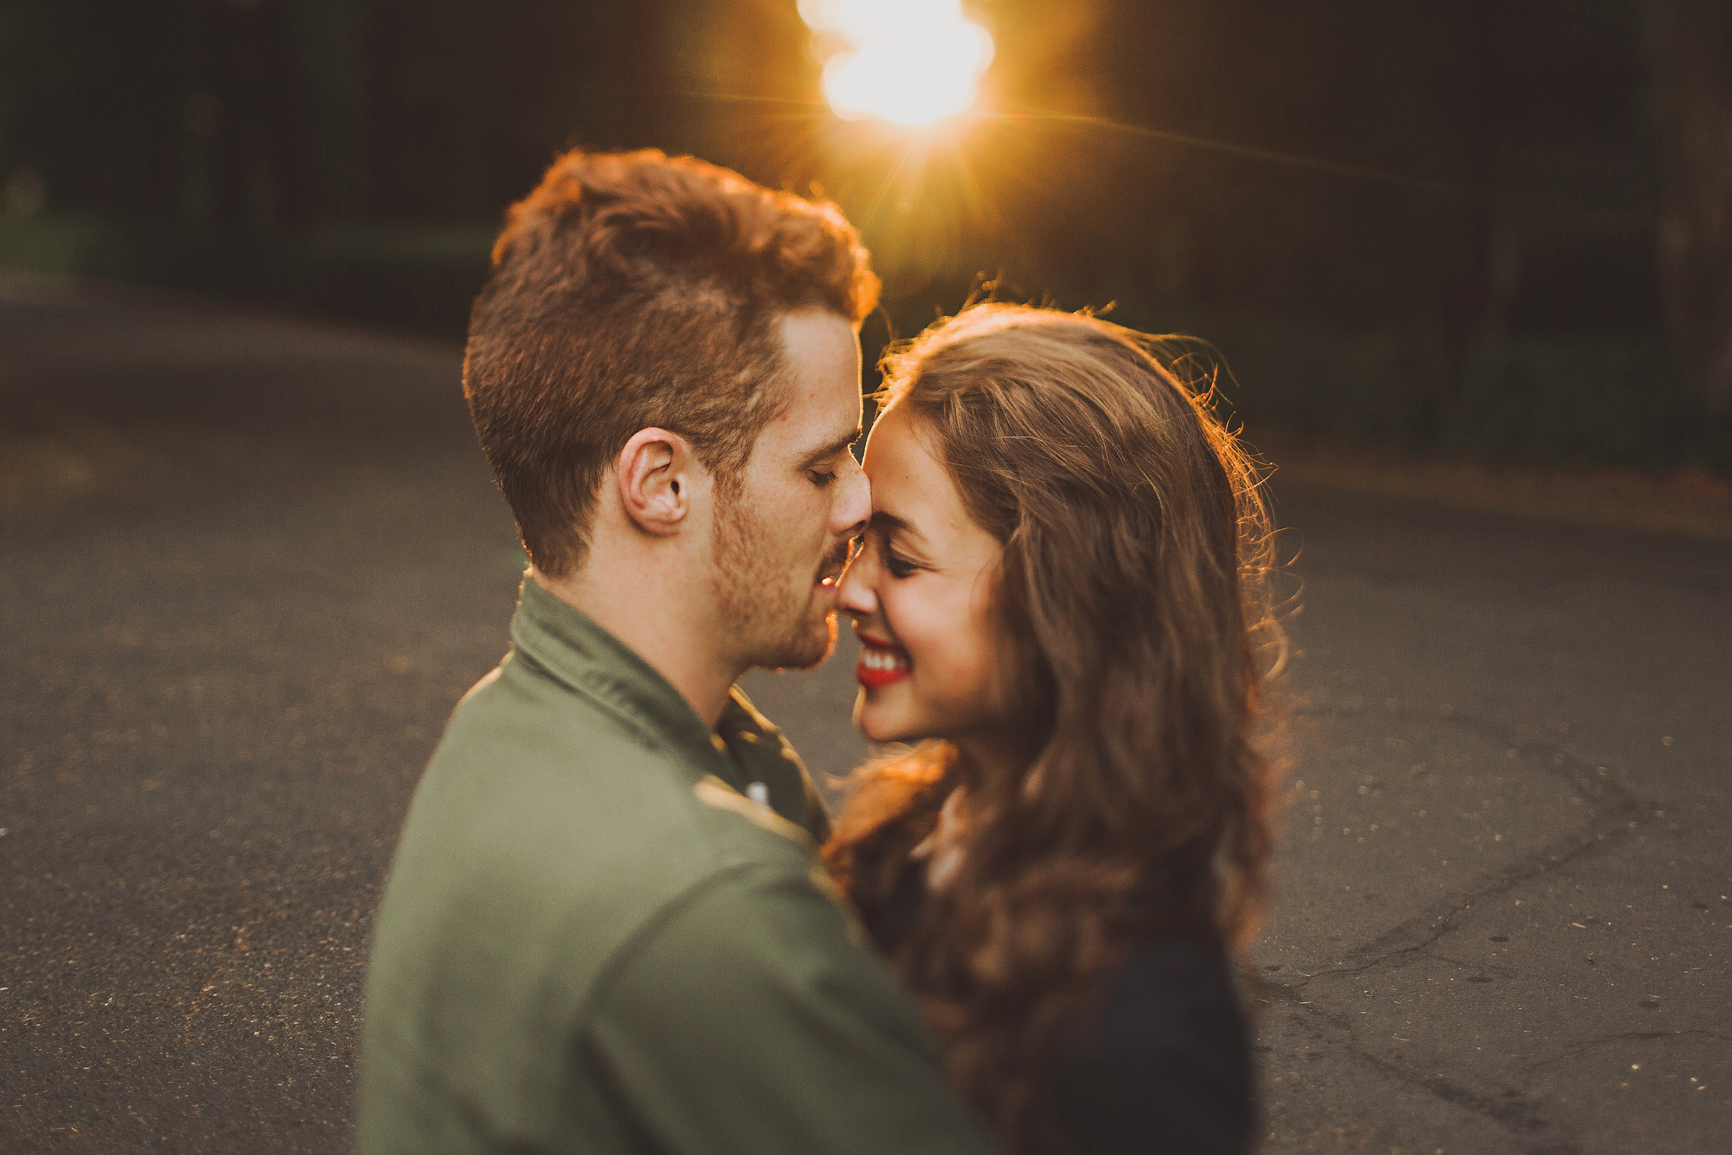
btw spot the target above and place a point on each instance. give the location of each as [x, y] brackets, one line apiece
[250, 563]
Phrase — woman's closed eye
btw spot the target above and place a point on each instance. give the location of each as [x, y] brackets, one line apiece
[898, 567]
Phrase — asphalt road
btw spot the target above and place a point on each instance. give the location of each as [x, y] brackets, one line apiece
[250, 563]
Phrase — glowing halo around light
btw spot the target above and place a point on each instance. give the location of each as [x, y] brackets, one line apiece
[905, 61]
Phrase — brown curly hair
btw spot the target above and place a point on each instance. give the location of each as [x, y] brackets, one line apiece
[1132, 592]
[637, 289]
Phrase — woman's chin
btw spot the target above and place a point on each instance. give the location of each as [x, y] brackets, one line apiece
[874, 722]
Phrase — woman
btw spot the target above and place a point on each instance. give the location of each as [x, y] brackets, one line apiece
[1060, 598]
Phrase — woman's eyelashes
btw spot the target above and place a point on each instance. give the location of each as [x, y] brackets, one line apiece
[898, 567]
[879, 546]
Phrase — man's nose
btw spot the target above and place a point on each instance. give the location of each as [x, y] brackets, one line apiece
[853, 506]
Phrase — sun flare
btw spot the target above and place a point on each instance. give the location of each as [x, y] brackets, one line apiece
[905, 61]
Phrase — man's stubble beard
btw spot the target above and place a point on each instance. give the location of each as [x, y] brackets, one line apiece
[767, 629]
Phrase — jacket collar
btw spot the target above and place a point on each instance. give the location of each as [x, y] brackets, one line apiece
[577, 652]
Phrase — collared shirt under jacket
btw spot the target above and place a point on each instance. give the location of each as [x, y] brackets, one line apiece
[594, 940]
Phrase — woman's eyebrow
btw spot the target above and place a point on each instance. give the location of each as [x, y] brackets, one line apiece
[886, 522]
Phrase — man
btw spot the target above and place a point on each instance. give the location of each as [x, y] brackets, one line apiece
[604, 930]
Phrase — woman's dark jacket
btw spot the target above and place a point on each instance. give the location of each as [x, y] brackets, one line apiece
[1160, 1064]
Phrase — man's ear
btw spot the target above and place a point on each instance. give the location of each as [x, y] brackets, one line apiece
[656, 472]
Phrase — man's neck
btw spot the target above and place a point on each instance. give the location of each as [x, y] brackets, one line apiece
[638, 609]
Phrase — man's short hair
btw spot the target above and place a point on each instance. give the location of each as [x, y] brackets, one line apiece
[632, 290]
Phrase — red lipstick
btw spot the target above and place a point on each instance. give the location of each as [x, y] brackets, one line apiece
[880, 663]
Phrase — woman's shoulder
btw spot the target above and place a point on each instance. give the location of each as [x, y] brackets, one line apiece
[1162, 1062]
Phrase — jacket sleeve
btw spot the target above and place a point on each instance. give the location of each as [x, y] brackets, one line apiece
[747, 1019]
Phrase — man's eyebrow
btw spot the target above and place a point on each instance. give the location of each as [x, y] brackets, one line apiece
[835, 447]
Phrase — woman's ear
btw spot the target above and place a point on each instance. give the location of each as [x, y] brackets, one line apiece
[656, 471]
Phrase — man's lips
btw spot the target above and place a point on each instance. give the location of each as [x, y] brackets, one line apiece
[880, 663]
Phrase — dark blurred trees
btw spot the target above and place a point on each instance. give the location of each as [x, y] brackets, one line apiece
[1468, 173]
[236, 113]
[1527, 114]
[469, 102]
[1692, 46]
[1334, 81]
[275, 113]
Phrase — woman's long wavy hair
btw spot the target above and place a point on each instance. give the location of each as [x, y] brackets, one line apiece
[1138, 635]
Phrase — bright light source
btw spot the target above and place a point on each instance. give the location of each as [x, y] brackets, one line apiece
[905, 61]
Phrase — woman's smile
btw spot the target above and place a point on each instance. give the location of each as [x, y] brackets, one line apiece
[880, 663]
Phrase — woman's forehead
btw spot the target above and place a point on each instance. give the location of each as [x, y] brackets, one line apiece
[901, 464]
[912, 491]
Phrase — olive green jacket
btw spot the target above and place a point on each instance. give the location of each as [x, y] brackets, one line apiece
[593, 940]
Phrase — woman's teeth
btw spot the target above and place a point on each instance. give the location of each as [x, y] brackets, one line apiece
[883, 660]
[880, 667]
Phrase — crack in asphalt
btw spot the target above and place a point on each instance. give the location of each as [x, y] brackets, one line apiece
[1505, 1107]
[1610, 822]
[1622, 814]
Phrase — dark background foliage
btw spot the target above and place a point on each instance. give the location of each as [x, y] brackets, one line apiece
[1474, 229]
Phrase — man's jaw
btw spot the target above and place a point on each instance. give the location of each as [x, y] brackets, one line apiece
[804, 649]
[813, 636]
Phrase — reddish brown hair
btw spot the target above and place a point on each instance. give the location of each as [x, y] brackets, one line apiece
[632, 290]
[1131, 594]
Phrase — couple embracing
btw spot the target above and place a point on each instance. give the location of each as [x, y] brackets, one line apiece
[620, 918]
